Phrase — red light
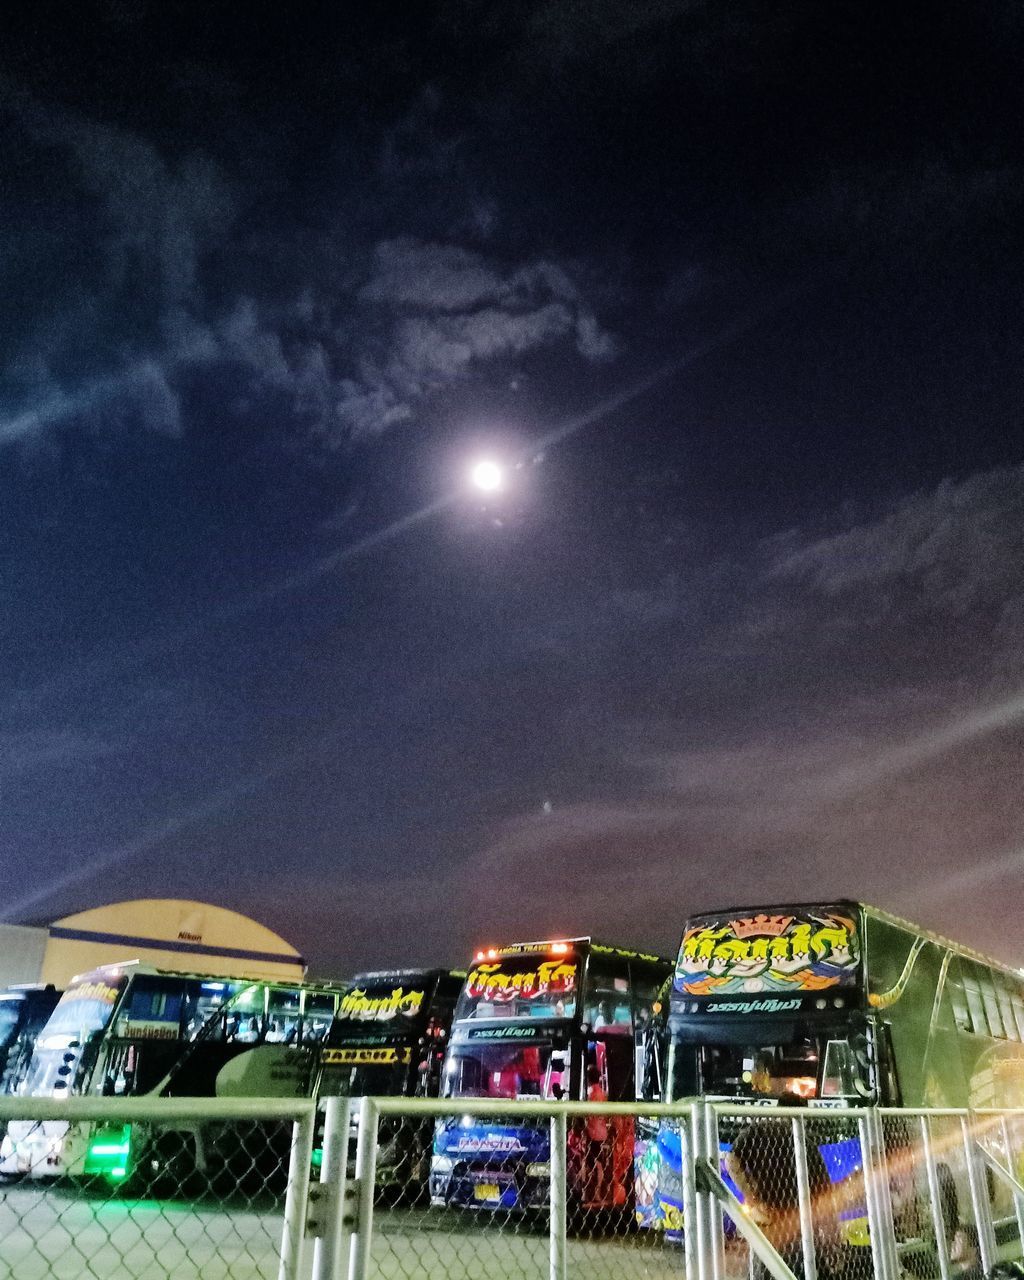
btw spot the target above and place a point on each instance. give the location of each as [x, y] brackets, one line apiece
[491, 953]
[559, 948]
[479, 955]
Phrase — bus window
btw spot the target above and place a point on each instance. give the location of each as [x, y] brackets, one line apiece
[282, 1016]
[979, 1023]
[246, 1017]
[988, 996]
[10, 1017]
[772, 1071]
[244, 1028]
[1006, 1006]
[646, 989]
[1018, 1011]
[501, 1070]
[317, 1018]
[838, 1076]
[202, 1000]
[957, 998]
[608, 998]
[153, 1009]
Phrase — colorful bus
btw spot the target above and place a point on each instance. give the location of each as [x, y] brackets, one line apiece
[389, 1038]
[23, 1014]
[559, 1019]
[129, 1030]
[834, 1005]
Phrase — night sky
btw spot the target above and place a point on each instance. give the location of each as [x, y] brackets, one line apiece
[734, 292]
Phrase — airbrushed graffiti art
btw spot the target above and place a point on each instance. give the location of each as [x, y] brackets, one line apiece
[760, 953]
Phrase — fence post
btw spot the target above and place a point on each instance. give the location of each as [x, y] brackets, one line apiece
[558, 1192]
[1018, 1204]
[327, 1249]
[803, 1191]
[716, 1220]
[979, 1197]
[870, 1180]
[883, 1196]
[703, 1200]
[294, 1230]
[689, 1179]
[939, 1224]
[366, 1181]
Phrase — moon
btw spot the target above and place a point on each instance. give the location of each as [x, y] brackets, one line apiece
[487, 475]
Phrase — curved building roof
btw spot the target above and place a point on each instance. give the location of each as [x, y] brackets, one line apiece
[169, 933]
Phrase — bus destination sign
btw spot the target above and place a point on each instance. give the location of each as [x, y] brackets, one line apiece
[792, 954]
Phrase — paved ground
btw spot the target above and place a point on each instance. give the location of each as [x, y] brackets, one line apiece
[54, 1235]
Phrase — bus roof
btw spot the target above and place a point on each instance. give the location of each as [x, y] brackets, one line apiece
[139, 966]
[578, 944]
[959, 947]
[406, 975]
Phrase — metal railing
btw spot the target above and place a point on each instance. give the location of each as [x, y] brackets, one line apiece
[415, 1189]
[165, 1187]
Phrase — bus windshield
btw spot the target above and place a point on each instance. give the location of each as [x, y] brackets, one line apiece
[505, 1069]
[817, 1065]
[522, 986]
[81, 1013]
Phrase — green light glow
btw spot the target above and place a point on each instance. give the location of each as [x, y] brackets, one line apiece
[108, 1152]
[317, 1157]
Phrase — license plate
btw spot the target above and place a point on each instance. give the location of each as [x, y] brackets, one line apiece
[487, 1191]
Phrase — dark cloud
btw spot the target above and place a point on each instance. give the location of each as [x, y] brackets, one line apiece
[348, 352]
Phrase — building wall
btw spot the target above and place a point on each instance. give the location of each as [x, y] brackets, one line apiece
[193, 937]
[21, 954]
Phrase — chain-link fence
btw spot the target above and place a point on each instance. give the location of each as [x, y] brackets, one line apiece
[515, 1189]
[899, 1195]
[149, 1189]
[409, 1189]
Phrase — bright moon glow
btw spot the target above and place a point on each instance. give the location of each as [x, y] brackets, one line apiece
[487, 475]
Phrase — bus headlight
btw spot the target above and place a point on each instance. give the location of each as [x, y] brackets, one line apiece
[440, 1164]
[539, 1169]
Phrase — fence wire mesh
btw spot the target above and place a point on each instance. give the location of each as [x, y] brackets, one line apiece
[458, 1196]
[129, 1197]
[573, 1192]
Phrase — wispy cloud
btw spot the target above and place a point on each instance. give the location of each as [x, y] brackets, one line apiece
[336, 351]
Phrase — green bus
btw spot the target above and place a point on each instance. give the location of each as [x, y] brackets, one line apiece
[842, 1004]
[128, 1031]
[837, 1005]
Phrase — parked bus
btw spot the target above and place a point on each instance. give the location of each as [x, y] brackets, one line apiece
[24, 1010]
[130, 1030]
[834, 1005]
[389, 1038]
[559, 1019]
